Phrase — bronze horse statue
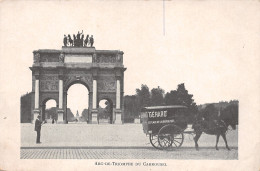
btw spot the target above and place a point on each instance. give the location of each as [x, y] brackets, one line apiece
[214, 127]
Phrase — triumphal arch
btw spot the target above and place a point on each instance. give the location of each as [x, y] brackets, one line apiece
[101, 71]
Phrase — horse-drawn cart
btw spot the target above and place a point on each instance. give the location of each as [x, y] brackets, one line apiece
[165, 125]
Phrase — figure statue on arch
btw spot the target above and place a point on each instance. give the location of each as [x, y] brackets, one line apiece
[91, 41]
[65, 40]
[74, 40]
[86, 41]
[78, 40]
[70, 40]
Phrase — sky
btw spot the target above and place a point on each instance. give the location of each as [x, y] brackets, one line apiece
[212, 46]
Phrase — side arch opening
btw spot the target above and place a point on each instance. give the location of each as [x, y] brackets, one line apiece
[49, 111]
[105, 111]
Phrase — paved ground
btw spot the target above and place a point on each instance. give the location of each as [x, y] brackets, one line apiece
[83, 141]
[126, 153]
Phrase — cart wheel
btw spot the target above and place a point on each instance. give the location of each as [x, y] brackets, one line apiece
[170, 136]
[154, 141]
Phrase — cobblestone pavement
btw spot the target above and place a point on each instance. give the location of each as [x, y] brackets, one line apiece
[126, 153]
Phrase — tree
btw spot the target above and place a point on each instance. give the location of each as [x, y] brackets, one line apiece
[108, 109]
[25, 113]
[105, 113]
[70, 116]
[130, 108]
[182, 97]
[171, 98]
[157, 96]
[143, 96]
[51, 113]
[231, 111]
[84, 114]
[210, 112]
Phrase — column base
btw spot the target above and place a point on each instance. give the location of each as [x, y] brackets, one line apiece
[118, 119]
[94, 114]
[137, 120]
[36, 112]
[60, 116]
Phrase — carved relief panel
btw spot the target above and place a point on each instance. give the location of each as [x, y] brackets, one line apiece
[49, 58]
[106, 84]
[49, 83]
[105, 58]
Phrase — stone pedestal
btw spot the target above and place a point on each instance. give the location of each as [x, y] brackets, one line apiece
[137, 120]
[36, 112]
[94, 114]
[60, 116]
[118, 119]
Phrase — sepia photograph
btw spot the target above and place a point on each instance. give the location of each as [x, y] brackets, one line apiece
[129, 85]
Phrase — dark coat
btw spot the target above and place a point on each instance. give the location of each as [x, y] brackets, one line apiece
[38, 125]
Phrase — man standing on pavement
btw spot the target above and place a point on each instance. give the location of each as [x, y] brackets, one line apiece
[38, 125]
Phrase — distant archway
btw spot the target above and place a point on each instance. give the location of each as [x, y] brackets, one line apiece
[105, 111]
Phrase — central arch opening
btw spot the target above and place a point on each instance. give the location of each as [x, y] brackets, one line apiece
[77, 103]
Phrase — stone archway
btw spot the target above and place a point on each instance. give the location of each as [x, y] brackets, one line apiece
[101, 71]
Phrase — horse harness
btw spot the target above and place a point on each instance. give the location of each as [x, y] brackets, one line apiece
[218, 124]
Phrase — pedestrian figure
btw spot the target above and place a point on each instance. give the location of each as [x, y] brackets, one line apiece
[37, 128]
[65, 40]
[86, 41]
[91, 40]
[70, 41]
[53, 121]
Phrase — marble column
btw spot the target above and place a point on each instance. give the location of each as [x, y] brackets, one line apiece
[36, 110]
[94, 103]
[60, 110]
[60, 94]
[94, 106]
[36, 101]
[117, 94]
[118, 110]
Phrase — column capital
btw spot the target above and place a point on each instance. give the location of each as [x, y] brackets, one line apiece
[37, 77]
[95, 77]
[94, 72]
[61, 77]
[118, 78]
